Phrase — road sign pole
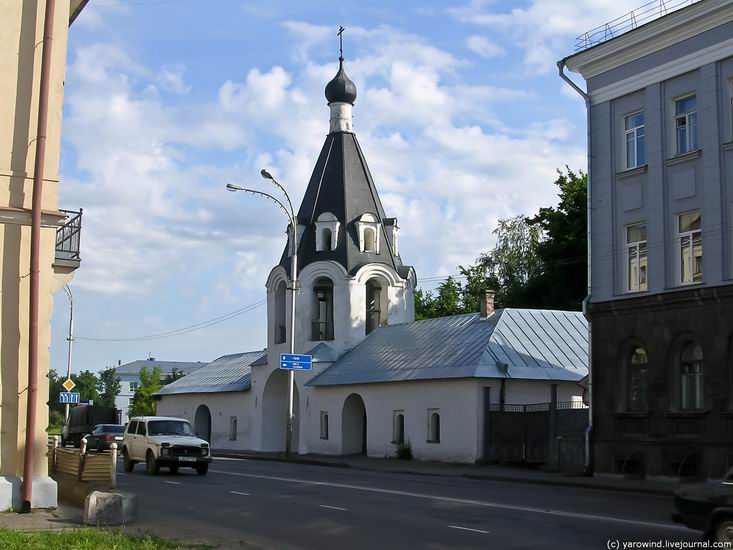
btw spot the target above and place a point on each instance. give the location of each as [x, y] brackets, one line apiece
[70, 338]
[291, 374]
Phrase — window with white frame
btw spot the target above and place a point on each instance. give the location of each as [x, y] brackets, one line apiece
[134, 386]
[324, 425]
[433, 426]
[398, 427]
[685, 123]
[636, 261]
[367, 228]
[634, 133]
[327, 228]
[691, 377]
[690, 239]
[232, 428]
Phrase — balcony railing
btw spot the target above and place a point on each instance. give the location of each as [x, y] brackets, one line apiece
[635, 18]
[68, 236]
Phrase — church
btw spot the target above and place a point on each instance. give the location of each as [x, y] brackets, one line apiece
[380, 380]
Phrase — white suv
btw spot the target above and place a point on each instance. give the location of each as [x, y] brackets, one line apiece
[164, 441]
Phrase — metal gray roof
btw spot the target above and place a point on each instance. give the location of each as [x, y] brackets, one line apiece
[166, 367]
[225, 374]
[527, 344]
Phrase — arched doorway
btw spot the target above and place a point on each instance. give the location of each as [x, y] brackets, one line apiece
[202, 423]
[354, 426]
[275, 412]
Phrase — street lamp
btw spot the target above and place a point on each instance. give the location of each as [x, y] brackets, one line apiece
[290, 212]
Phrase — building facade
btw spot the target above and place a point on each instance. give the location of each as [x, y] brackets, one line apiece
[381, 380]
[661, 243]
[22, 36]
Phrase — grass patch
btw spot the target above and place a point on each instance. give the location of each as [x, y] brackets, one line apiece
[53, 430]
[85, 539]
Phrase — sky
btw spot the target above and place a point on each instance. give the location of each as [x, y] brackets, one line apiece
[460, 113]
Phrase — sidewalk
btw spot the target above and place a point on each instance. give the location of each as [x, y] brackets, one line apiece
[63, 517]
[491, 472]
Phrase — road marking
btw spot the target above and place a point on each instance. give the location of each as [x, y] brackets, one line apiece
[238, 493]
[172, 482]
[218, 458]
[333, 507]
[469, 529]
[544, 511]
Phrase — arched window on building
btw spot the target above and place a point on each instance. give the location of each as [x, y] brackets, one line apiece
[370, 240]
[398, 428]
[691, 377]
[376, 310]
[279, 325]
[324, 243]
[322, 309]
[327, 230]
[433, 426]
[636, 380]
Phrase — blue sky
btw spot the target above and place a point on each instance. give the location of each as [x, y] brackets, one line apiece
[460, 113]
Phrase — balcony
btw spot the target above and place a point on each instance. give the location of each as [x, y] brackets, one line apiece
[68, 238]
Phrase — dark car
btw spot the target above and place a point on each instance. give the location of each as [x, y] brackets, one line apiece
[707, 507]
[83, 419]
[103, 435]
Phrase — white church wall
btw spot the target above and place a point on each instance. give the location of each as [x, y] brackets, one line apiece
[457, 402]
[222, 407]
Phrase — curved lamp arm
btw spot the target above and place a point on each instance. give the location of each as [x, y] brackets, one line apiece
[265, 174]
[232, 187]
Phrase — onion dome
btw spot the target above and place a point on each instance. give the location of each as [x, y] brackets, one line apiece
[341, 89]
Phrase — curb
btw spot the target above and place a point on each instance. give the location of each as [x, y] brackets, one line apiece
[478, 477]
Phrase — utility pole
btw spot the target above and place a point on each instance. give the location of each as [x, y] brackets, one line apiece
[70, 339]
[293, 288]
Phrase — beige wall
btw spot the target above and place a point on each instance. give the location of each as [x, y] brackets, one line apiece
[21, 28]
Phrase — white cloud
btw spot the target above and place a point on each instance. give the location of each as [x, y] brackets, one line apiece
[171, 79]
[483, 46]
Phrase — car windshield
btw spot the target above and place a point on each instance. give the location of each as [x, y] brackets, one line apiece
[169, 427]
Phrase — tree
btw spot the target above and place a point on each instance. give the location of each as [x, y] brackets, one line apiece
[564, 250]
[448, 301]
[108, 387]
[86, 384]
[143, 402]
[55, 409]
[174, 375]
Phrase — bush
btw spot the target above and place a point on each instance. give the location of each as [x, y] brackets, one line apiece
[404, 451]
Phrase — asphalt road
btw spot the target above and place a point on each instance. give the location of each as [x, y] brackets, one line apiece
[261, 504]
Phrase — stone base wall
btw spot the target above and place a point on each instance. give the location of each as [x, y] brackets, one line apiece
[663, 440]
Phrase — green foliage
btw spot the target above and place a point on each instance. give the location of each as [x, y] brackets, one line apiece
[537, 262]
[143, 402]
[173, 376]
[108, 387]
[85, 539]
[55, 409]
[86, 384]
[404, 451]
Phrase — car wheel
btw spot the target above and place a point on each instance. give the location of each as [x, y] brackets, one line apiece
[723, 531]
[201, 469]
[173, 468]
[151, 464]
[126, 462]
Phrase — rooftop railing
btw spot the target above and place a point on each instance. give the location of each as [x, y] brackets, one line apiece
[635, 18]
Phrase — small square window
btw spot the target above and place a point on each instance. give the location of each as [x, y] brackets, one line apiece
[324, 425]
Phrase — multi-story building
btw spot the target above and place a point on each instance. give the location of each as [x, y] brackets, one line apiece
[659, 100]
[129, 377]
[30, 147]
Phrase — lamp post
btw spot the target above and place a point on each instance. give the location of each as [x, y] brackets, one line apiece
[293, 287]
[70, 338]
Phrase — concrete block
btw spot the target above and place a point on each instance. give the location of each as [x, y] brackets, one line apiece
[6, 494]
[45, 492]
[108, 508]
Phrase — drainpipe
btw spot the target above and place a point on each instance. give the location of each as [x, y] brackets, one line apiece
[588, 466]
[35, 263]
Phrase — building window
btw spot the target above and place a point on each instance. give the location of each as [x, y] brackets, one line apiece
[691, 378]
[367, 228]
[685, 123]
[375, 312]
[370, 244]
[690, 231]
[324, 425]
[134, 386]
[279, 326]
[634, 132]
[323, 309]
[433, 426]
[636, 262]
[398, 427]
[636, 380]
[327, 227]
[232, 428]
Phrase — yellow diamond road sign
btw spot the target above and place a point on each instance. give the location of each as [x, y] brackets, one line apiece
[68, 385]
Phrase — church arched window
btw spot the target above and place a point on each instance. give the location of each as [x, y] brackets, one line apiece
[279, 325]
[376, 304]
[367, 228]
[322, 324]
[327, 227]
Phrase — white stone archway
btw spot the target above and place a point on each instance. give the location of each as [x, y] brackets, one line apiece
[354, 426]
[275, 412]
[202, 423]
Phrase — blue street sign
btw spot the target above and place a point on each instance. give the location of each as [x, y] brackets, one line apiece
[291, 361]
[69, 397]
